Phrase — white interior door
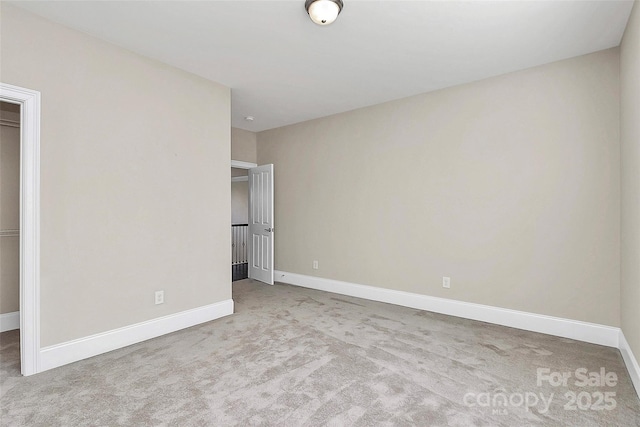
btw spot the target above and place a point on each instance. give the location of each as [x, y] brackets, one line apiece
[261, 223]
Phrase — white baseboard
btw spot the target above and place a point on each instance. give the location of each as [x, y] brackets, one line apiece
[581, 331]
[9, 321]
[574, 329]
[73, 351]
[631, 362]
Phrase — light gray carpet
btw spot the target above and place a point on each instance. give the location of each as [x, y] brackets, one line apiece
[297, 357]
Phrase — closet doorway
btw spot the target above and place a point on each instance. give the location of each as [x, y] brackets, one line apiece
[28, 103]
[9, 217]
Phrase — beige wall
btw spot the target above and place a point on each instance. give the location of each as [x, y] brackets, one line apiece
[135, 179]
[509, 185]
[243, 145]
[630, 137]
[9, 214]
[240, 202]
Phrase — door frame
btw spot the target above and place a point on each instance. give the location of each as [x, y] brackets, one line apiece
[29, 100]
[239, 164]
[248, 165]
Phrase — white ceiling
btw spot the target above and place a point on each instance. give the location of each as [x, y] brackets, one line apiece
[284, 69]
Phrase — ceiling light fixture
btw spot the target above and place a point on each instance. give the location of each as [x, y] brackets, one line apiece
[323, 12]
[249, 118]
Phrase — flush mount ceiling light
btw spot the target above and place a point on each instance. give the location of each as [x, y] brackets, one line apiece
[323, 12]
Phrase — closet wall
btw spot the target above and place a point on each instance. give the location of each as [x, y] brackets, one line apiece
[9, 208]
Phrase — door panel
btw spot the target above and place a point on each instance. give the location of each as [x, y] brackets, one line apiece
[261, 223]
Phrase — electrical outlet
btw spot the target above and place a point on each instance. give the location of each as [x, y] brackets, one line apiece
[446, 282]
[159, 297]
[315, 265]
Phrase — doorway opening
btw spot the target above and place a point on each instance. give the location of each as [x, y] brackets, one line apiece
[239, 224]
[9, 217]
[259, 241]
[29, 223]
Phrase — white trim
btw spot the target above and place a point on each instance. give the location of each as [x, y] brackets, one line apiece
[243, 165]
[631, 362]
[29, 224]
[9, 321]
[581, 331]
[239, 178]
[73, 351]
[574, 329]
